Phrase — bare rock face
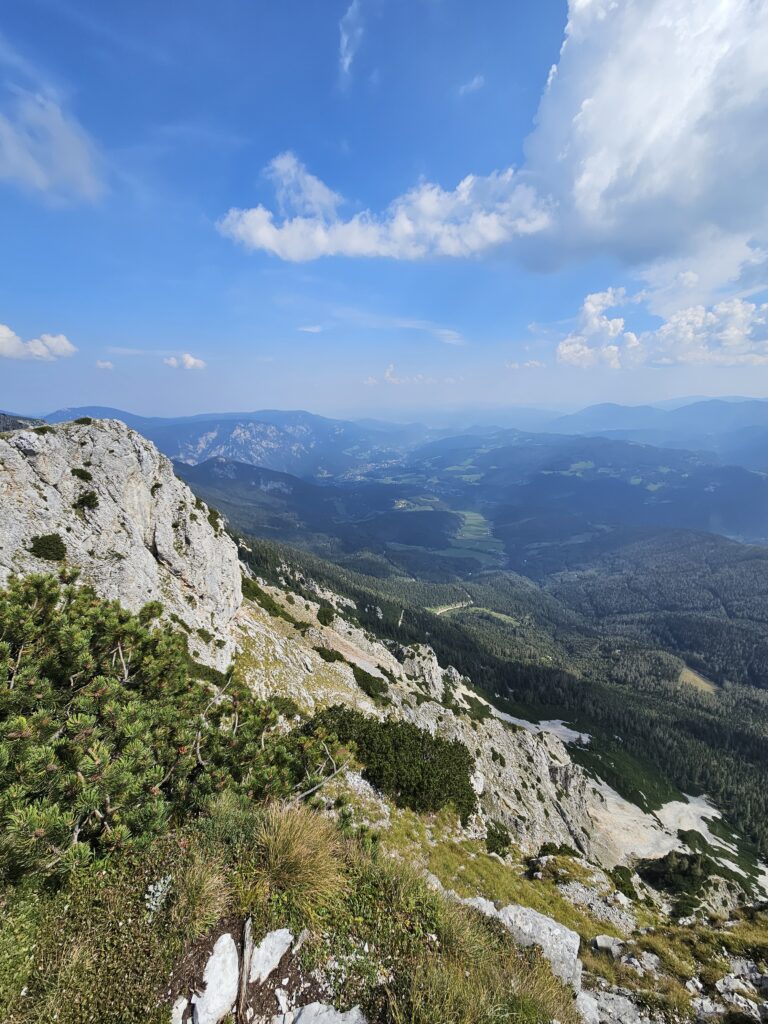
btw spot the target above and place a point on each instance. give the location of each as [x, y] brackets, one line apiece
[134, 530]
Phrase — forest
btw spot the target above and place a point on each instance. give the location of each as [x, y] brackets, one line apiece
[626, 693]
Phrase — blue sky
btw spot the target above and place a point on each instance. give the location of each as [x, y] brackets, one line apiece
[381, 207]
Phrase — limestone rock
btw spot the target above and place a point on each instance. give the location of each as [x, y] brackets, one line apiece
[146, 539]
[559, 944]
[221, 977]
[528, 927]
[608, 944]
[610, 1008]
[320, 1013]
[420, 663]
[268, 954]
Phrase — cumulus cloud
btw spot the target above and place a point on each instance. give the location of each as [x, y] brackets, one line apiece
[47, 348]
[43, 147]
[481, 213]
[730, 333]
[651, 128]
[350, 36]
[473, 85]
[598, 337]
[184, 362]
[104, 364]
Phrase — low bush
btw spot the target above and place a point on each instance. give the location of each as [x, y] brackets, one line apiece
[329, 655]
[325, 615]
[558, 850]
[498, 839]
[49, 546]
[374, 687]
[622, 879]
[253, 592]
[90, 771]
[86, 500]
[417, 770]
[82, 474]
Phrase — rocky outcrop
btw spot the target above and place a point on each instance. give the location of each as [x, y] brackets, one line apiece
[126, 522]
[246, 981]
[528, 927]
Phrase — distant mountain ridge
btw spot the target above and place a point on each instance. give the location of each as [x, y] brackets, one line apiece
[9, 421]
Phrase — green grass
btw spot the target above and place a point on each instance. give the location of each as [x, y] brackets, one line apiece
[633, 778]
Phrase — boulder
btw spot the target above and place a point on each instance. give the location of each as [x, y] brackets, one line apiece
[559, 944]
[528, 927]
[610, 1008]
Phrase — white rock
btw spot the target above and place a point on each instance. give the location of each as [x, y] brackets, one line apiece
[268, 954]
[608, 944]
[221, 977]
[610, 1008]
[320, 1013]
[177, 1010]
[147, 540]
[528, 927]
[559, 944]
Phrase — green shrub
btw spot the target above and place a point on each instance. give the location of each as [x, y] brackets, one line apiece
[253, 592]
[82, 474]
[325, 615]
[498, 839]
[683, 875]
[329, 655]
[88, 771]
[375, 688]
[417, 770]
[43, 430]
[84, 421]
[86, 500]
[49, 546]
[557, 850]
[622, 879]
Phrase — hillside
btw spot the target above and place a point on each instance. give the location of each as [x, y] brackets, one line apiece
[350, 823]
[98, 495]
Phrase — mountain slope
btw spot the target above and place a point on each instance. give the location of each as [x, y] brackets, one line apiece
[109, 505]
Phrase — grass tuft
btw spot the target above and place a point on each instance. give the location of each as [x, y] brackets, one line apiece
[298, 858]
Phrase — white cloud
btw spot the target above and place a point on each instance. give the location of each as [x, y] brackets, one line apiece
[481, 213]
[722, 265]
[473, 85]
[529, 364]
[104, 364]
[184, 362]
[350, 36]
[310, 328]
[730, 333]
[46, 348]
[651, 129]
[392, 377]
[599, 338]
[298, 191]
[43, 148]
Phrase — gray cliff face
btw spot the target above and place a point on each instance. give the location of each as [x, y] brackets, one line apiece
[146, 539]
